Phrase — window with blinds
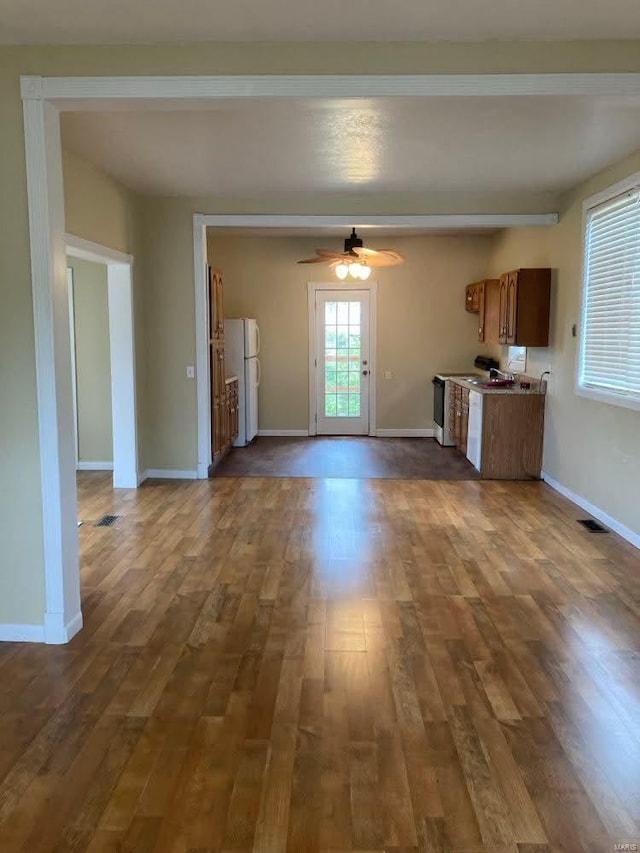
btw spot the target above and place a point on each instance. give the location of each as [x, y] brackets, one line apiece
[609, 365]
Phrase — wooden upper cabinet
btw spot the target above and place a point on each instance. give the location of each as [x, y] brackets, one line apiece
[481, 297]
[524, 303]
[472, 296]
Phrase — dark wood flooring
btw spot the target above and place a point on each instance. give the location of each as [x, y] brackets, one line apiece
[351, 457]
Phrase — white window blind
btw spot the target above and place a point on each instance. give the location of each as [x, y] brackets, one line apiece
[610, 351]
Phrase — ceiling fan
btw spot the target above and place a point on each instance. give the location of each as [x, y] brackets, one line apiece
[355, 261]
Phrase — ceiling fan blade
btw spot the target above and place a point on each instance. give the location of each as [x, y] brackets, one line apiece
[380, 257]
[322, 260]
[328, 253]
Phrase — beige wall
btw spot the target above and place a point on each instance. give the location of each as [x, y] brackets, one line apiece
[21, 558]
[422, 324]
[99, 209]
[591, 448]
[93, 367]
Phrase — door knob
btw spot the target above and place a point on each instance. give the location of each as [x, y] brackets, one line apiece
[365, 372]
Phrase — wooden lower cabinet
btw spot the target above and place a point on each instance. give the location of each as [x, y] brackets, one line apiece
[512, 432]
[512, 436]
[218, 403]
[460, 398]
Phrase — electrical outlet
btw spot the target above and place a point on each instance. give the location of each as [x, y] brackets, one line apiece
[191, 371]
[388, 374]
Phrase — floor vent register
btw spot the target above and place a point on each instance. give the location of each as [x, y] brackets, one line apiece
[593, 526]
[107, 520]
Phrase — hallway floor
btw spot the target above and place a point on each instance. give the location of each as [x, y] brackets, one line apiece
[290, 664]
[352, 456]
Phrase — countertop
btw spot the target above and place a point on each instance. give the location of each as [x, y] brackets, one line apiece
[514, 389]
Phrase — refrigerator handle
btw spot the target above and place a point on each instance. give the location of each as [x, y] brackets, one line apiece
[257, 339]
[259, 366]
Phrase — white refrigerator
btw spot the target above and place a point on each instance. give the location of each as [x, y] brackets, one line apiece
[241, 348]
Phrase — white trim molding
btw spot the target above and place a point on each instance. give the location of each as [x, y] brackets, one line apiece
[100, 89]
[90, 465]
[77, 247]
[617, 527]
[405, 433]
[123, 375]
[53, 374]
[57, 631]
[410, 222]
[203, 384]
[291, 433]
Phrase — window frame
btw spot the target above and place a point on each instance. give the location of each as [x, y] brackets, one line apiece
[603, 396]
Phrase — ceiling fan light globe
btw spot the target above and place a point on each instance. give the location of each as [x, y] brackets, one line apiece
[354, 269]
[365, 272]
[342, 270]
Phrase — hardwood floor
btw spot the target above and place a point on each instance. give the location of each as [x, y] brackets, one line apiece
[331, 665]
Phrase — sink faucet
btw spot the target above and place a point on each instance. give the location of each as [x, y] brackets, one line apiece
[498, 374]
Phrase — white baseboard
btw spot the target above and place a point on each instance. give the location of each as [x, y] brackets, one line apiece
[167, 474]
[596, 512]
[405, 433]
[84, 465]
[54, 631]
[57, 631]
[382, 433]
[285, 432]
[11, 633]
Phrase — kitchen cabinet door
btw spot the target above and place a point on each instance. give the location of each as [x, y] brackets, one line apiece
[472, 296]
[524, 305]
[221, 435]
[481, 298]
[503, 308]
[232, 410]
[512, 307]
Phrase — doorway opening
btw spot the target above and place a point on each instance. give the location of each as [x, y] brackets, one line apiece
[90, 391]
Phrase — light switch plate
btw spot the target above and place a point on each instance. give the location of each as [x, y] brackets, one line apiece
[191, 371]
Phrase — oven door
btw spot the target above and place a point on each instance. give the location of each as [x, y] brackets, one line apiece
[439, 408]
[438, 400]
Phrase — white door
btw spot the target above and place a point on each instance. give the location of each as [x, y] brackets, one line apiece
[343, 373]
[252, 382]
[251, 338]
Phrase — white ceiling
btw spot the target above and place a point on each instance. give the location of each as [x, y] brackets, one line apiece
[155, 21]
[254, 147]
